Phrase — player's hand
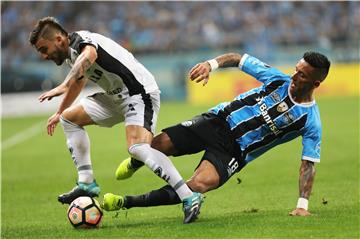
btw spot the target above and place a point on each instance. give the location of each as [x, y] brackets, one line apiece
[200, 72]
[52, 122]
[300, 212]
[51, 93]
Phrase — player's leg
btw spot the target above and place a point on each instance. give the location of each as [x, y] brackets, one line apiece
[214, 170]
[186, 143]
[99, 109]
[162, 166]
[129, 166]
[204, 179]
[219, 163]
[140, 119]
[141, 113]
[72, 120]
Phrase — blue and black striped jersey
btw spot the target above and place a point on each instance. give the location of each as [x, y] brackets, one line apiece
[267, 116]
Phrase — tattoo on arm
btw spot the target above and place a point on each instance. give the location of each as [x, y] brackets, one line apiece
[229, 60]
[81, 65]
[306, 178]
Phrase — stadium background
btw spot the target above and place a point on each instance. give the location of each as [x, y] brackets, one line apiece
[169, 38]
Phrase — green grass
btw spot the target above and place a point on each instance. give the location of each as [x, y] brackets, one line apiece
[35, 171]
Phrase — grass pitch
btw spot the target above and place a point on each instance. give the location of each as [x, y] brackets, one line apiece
[36, 170]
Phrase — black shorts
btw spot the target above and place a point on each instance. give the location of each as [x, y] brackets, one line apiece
[210, 133]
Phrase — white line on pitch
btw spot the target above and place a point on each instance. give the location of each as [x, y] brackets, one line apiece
[22, 136]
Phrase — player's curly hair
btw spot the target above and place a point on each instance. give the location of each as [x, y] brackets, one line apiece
[318, 61]
[45, 28]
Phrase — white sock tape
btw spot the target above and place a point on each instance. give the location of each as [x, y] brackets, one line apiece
[302, 203]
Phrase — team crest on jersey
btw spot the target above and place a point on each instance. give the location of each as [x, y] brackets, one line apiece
[282, 107]
[276, 97]
[187, 123]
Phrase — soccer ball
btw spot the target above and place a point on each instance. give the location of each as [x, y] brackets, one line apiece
[85, 212]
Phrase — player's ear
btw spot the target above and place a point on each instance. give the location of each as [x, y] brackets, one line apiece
[58, 38]
[317, 83]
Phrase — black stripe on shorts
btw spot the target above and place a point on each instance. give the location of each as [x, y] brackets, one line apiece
[148, 111]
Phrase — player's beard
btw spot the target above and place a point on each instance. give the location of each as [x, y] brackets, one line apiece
[59, 56]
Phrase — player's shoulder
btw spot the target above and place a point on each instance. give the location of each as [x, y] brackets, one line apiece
[80, 38]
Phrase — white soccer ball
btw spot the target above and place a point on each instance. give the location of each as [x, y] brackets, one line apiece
[85, 212]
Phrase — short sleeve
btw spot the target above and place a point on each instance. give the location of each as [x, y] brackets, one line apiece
[81, 39]
[311, 142]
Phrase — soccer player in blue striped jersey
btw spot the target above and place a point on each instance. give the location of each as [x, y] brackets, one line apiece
[237, 132]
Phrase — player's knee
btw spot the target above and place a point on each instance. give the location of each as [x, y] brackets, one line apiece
[162, 143]
[156, 143]
[203, 184]
[68, 125]
[67, 115]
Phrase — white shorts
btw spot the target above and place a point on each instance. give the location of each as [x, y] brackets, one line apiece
[107, 110]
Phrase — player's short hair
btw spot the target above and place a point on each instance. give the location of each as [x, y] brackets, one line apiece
[318, 61]
[45, 28]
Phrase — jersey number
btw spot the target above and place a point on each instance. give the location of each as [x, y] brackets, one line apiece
[96, 76]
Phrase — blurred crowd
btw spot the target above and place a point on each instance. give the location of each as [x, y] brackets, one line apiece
[155, 26]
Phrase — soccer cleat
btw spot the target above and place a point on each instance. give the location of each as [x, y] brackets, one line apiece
[112, 202]
[126, 169]
[191, 207]
[82, 189]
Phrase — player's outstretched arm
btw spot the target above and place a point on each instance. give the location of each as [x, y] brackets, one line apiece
[306, 180]
[200, 72]
[75, 82]
[75, 79]
[48, 95]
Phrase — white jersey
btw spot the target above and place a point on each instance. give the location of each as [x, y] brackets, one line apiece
[115, 70]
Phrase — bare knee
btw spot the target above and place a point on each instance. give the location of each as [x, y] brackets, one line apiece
[205, 178]
[163, 143]
[77, 115]
[203, 184]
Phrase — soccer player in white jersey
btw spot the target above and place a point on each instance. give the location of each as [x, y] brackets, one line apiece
[130, 95]
[232, 134]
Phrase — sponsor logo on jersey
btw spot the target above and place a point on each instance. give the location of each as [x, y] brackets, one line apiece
[187, 123]
[266, 116]
[114, 92]
[289, 118]
[282, 107]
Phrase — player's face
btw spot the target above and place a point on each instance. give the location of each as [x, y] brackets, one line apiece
[305, 78]
[54, 50]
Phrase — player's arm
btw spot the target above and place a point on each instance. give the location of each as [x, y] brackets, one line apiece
[306, 180]
[59, 90]
[200, 72]
[75, 82]
[82, 63]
